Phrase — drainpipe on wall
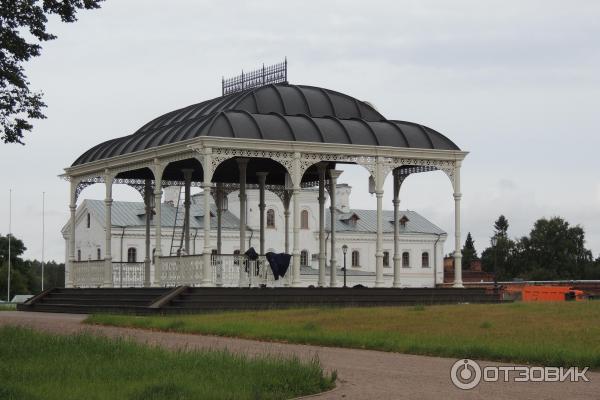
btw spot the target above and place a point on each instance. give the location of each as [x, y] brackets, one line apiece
[195, 236]
[439, 235]
[122, 234]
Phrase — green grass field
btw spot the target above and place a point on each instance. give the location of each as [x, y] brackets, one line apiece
[8, 307]
[553, 334]
[41, 366]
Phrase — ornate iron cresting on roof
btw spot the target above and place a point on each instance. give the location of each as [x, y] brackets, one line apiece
[276, 73]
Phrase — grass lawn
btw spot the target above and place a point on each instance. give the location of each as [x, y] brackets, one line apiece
[8, 307]
[552, 334]
[41, 366]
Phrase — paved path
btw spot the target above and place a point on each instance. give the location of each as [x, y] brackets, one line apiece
[363, 374]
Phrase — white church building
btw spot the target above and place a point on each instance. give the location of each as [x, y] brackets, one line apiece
[421, 241]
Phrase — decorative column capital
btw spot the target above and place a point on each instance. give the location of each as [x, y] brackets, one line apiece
[335, 173]
[262, 177]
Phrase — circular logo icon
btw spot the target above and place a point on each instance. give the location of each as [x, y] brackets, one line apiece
[465, 374]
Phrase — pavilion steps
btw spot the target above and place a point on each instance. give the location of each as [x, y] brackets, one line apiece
[195, 299]
[89, 300]
[245, 298]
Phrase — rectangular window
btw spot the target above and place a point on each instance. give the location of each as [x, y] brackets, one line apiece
[386, 258]
[355, 258]
[405, 260]
[425, 260]
[99, 254]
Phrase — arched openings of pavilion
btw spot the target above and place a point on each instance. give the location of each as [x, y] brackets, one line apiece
[326, 175]
[427, 193]
[238, 174]
[138, 180]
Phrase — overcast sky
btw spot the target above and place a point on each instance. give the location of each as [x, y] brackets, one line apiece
[515, 83]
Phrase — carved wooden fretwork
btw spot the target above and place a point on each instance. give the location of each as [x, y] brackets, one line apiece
[222, 154]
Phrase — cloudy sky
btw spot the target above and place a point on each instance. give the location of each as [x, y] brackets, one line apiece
[516, 83]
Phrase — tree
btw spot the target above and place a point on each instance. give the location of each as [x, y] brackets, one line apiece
[26, 276]
[555, 250]
[501, 226]
[17, 248]
[468, 252]
[18, 104]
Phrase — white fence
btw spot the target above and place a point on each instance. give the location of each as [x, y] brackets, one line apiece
[230, 270]
[128, 274]
[88, 274]
[177, 271]
[238, 270]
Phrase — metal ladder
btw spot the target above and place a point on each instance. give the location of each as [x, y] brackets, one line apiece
[177, 238]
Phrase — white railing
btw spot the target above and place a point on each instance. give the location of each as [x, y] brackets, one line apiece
[88, 274]
[237, 270]
[128, 274]
[179, 270]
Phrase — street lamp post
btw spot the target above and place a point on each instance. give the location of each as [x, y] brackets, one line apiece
[344, 250]
[494, 245]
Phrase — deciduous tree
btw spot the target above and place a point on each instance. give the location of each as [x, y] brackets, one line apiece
[22, 30]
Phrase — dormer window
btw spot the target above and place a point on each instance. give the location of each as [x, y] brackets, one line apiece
[403, 221]
[351, 220]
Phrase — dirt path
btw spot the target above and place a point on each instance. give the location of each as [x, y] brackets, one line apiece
[363, 374]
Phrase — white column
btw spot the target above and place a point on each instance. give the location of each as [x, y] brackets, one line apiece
[286, 220]
[206, 185]
[108, 274]
[379, 241]
[333, 175]
[69, 275]
[158, 171]
[262, 177]
[296, 250]
[207, 252]
[148, 204]
[397, 257]
[220, 201]
[242, 164]
[187, 177]
[458, 283]
[322, 261]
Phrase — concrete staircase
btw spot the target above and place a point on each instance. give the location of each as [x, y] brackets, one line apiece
[194, 299]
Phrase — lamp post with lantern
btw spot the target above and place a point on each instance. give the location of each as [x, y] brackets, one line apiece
[344, 250]
[494, 245]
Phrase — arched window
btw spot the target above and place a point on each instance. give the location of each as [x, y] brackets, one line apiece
[304, 219]
[131, 255]
[405, 260]
[304, 258]
[355, 258]
[386, 258]
[89, 220]
[78, 255]
[98, 254]
[270, 218]
[425, 260]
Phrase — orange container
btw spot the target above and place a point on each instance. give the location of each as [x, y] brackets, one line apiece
[551, 293]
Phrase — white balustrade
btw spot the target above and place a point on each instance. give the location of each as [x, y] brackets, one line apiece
[254, 273]
[128, 274]
[179, 270]
[88, 274]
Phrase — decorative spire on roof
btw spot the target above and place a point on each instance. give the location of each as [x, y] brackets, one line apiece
[276, 73]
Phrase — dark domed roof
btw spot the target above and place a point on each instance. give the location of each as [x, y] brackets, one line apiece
[276, 112]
